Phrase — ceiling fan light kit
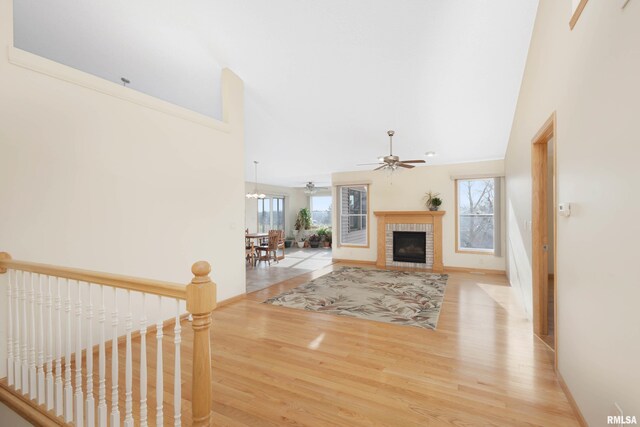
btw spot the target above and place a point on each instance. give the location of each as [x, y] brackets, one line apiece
[392, 162]
[310, 188]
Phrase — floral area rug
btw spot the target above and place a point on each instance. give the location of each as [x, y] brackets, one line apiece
[398, 297]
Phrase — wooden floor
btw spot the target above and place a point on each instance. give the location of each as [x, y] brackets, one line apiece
[482, 366]
[275, 366]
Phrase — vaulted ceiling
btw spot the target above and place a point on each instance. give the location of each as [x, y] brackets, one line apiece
[324, 79]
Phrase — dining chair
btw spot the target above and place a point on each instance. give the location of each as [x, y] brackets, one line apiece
[270, 250]
[250, 251]
[281, 244]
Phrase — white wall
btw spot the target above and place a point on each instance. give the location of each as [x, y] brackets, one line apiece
[405, 190]
[96, 176]
[10, 418]
[295, 199]
[590, 77]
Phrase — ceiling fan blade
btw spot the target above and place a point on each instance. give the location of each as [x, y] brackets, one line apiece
[369, 164]
[413, 161]
[403, 165]
[381, 167]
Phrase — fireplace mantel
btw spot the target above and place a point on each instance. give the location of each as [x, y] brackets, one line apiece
[410, 217]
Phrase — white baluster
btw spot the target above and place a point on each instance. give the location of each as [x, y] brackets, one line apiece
[40, 336]
[177, 385]
[58, 340]
[79, 397]
[143, 364]
[33, 381]
[17, 279]
[68, 390]
[128, 417]
[159, 371]
[24, 359]
[90, 402]
[115, 412]
[10, 362]
[50, 340]
[102, 389]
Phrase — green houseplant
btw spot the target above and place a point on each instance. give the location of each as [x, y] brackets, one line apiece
[325, 233]
[289, 241]
[314, 241]
[328, 238]
[436, 202]
[432, 201]
[303, 222]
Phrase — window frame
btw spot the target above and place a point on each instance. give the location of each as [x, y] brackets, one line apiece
[366, 216]
[476, 251]
[271, 212]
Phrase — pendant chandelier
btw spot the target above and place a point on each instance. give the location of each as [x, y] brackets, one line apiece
[255, 194]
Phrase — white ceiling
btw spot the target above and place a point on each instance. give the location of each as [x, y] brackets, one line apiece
[324, 80]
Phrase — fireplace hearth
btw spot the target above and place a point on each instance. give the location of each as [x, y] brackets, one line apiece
[410, 246]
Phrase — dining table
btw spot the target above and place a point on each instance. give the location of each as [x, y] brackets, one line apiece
[258, 237]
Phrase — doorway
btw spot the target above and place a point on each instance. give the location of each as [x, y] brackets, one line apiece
[544, 242]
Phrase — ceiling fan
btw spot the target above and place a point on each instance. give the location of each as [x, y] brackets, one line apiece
[392, 162]
[310, 188]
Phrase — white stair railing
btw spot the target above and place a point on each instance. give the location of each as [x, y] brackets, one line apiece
[10, 360]
[45, 307]
[50, 346]
[102, 382]
[143, 363]
[40, 335]
[59, 396]
[159, 372]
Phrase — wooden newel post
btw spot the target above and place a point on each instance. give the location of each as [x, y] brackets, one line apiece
[201, 300]
[3, 255]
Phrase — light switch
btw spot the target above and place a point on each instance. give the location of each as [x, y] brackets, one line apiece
[564, 209]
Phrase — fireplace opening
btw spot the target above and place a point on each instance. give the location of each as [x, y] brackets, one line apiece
[410, 246]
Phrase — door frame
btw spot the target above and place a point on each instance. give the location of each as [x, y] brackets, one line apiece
[540, 227]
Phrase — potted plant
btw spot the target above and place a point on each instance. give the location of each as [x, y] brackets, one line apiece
[300, 241]
[328, 238]
[303, 222]
[432, 201]
[314, 240]
[323, 232]
[288, 242]
[436, 202]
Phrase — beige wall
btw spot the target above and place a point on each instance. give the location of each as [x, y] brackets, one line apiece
[405, 190]
[590, 77]
[295, 199]
[10, 418]
[97, 176]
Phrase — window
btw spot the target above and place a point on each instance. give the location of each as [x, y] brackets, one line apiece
[270, 214]
[321, 211]
[476, 215]
[354, 215]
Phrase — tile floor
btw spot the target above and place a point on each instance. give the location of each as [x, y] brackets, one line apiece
[296, 262]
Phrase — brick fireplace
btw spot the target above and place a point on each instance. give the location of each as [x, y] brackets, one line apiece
[410, 239]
